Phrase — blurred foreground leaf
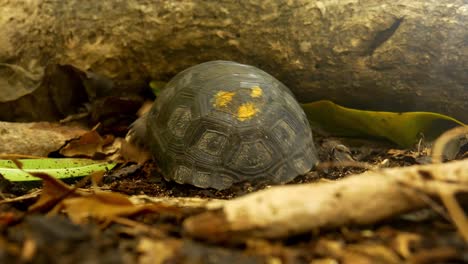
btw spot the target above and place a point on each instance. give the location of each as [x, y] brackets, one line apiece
[58, 168]
[403, 129]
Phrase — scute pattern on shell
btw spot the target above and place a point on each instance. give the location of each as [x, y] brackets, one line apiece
[221, 122]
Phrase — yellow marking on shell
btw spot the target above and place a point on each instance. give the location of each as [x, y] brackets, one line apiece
[256, 91]
[246, 111]
[223, 98]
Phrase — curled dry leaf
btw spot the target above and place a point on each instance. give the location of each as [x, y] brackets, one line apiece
[447, 146]
[404, 242]
[131, 152]
[90, 144]
[102, 206]
[80, 205]
[53, 191]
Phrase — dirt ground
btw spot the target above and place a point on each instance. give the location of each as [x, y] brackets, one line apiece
[424, 236]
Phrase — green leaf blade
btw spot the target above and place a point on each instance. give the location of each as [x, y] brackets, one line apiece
[403, 129]
[59, 168]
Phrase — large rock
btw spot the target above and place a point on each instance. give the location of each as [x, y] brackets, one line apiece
[398, 55]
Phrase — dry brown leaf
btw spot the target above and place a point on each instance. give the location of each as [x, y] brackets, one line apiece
[133, 228]
[87, 145]
[93, 145]
[79, 205]
[8, 218]
[53, 190]
[97, 177]
[106, 206]
[131, 152]
[79, 209]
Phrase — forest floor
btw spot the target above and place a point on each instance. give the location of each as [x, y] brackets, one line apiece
[47, 236]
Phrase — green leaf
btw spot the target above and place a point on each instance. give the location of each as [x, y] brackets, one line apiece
[403, 129]
[157, 87]
[58, 168]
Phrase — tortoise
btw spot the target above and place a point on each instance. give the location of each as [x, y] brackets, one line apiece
[221, 122]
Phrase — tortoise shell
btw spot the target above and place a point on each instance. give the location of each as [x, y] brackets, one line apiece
[221, 122]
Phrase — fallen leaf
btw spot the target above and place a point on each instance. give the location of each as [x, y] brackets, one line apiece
[105, 206]
[87, 145]
[79, 209]
[58, 168]
[8, 218]
[403, 129]
[157, 87]
[80, 206]
[134, 153]
[53, 190]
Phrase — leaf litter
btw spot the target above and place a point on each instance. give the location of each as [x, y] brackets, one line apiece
[131, 216]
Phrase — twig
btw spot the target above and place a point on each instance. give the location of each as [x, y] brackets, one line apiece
[442, 142]
[447, 195]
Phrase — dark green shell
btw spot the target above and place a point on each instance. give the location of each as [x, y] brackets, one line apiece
[221, 122]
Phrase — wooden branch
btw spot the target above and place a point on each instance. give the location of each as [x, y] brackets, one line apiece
[360, 199]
